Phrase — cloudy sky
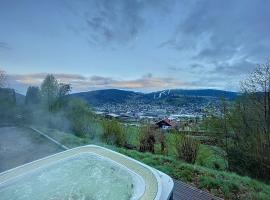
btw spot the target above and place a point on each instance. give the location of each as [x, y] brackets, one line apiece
[140, 45]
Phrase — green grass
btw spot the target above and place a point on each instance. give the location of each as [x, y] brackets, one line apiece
[132, 135]
[208, 156]
[212, 157]
[223, 184]
[67, 139]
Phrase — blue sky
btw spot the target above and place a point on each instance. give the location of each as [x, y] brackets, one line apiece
[140, 45]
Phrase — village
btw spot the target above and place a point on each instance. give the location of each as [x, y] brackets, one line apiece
[166, 118]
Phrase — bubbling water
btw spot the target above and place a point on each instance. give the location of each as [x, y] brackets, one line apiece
[82, 177]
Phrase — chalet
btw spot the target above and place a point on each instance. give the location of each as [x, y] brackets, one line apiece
[165, 124]
[127, 117]
[112, 116]
[100, 113]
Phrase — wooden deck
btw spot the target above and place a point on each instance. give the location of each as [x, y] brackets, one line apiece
[183, 191]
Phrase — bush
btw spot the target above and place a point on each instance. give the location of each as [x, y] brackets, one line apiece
[113, 133]
[186, 148]
[147, 139]
[212, 157]
[245, 162]
[162, 140]
[80, 117]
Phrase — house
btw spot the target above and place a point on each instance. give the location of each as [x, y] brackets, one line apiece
[127, 117]
[165, 124]
[112, 116]
[100, 113]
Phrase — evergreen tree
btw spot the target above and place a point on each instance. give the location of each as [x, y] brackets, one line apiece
[32, 96]
[49, 92]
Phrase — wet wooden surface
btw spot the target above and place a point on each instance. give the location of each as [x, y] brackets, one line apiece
[183, 191]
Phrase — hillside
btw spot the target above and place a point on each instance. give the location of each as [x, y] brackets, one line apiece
[173, 97]
[194, 93]
[99, 97]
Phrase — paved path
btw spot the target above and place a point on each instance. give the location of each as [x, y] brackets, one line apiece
[21, 145]
[49, 138]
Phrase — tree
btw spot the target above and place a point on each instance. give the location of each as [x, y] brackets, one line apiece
[114, 133]
[32, 96]
[3, 78]
[64, 89]
[49, 92]
[251, 141]
[186, 148]
[256, 89]
[8, 108]
[245, 126]
[81, 119]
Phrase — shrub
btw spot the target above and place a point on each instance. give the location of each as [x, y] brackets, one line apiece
[212, 157]
[245, 162]
[162, 140]
[147, 139]
[80, 117]
[113, 133]
[186, 148]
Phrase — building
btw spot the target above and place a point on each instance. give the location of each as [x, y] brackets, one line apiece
[112, 116]
[165, 124]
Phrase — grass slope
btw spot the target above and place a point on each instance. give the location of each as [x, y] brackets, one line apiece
[222, 184]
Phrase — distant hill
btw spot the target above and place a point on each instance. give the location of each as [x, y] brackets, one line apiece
[173, 97]
[98, 97]
[194, 93]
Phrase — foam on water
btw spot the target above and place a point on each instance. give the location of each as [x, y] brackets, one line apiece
[82, 177]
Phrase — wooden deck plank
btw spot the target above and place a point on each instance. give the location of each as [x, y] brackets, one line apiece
[183, 191]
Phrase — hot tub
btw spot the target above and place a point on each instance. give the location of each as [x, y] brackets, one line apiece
[88, 172]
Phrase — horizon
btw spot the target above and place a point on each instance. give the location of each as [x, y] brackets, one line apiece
[133, 45]
[129, 90]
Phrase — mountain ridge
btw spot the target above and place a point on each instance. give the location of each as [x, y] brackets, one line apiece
[114, 96]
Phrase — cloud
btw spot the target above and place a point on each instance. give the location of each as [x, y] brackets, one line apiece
[215, 32]
[4, 45]
[37, 78]
[192, 67]
[237, 68]
[116, 22]
[200, 39]
[81, 83]
[152, 83]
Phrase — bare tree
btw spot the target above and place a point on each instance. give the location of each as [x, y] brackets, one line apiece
[257, 88]
[254, 110]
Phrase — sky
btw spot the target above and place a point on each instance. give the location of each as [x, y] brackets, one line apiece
[140, 45]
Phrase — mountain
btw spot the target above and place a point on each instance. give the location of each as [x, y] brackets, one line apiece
[172, 97]
[194, 93]
[99, 97]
